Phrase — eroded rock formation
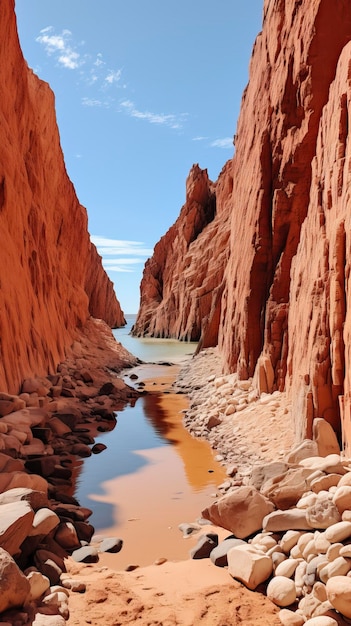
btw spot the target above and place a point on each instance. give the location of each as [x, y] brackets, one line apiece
[174, 280]
[279, 307]
[51, 277]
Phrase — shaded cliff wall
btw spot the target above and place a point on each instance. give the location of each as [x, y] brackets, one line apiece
[51, 277]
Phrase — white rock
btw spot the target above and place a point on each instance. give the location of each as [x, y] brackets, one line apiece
[290, 539]
[329, 464]
[323, 513]
[325, 482]
[290, 618]
[250, 567]
[334, 551]
[320, 591]
[287, 568]
[321, 620]
[342, 498]
[281, 591]
[294, 519]
[339, 567]
[338, 532]
[339, 594]
[321, 542]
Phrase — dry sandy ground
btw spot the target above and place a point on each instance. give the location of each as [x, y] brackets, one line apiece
[189, 592]
[186, 593]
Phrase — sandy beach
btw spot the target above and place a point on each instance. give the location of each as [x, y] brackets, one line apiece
[187, 592]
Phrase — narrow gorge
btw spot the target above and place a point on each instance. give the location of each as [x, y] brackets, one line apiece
[256, 269]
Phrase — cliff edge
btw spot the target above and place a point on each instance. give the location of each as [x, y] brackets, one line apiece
[51, 276]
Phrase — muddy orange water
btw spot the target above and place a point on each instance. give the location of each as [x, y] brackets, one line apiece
[152, 477]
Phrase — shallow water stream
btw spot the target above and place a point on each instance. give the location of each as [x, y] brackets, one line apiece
[153, 475]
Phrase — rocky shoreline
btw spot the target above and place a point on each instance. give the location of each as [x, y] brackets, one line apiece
[287, 507]
[281, 522]
[44, 432]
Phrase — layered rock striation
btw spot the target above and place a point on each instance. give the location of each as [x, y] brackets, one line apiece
[51, 276]
[278, 302]
[177, 291]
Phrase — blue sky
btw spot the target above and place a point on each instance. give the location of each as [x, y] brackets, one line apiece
[143, 91]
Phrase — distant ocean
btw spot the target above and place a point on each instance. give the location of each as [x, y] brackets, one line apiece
[152, 350]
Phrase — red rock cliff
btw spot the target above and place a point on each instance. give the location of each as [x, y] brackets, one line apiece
[283, 312]
[177, 291]
[51, 277]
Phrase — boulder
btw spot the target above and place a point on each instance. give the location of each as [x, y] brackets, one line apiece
[321, 620]
[241, 512]
[249, 566]
[204, 546]
[113, 544]
[36, 499]
[323, 513]
[86, 554]
[45, 520]
[330, 464]
[303, 450]
[14, 586]
[338, 532]
[66, 536]
[262, 473]
[342, 498]
[285, 490]
[16, 520]
[338, 591]
[325, 437]
[281, 591]
[290, 618]
[279, 521]
[219, 554]
[39, 585]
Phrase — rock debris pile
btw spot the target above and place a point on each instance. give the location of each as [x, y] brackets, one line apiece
[288, 509]
[44, 432]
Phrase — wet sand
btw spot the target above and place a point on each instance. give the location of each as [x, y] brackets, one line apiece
[171, 487]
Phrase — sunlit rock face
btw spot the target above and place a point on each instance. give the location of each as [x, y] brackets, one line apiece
[180, 282]
[279, 309]
[51, 277]
[275, 321]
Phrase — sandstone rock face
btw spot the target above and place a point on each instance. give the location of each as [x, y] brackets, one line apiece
[182, 283]
[280, 307]
[51, 277]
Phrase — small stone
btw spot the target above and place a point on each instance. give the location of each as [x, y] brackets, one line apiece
[204, 546]
[86, 554]
[111, 544]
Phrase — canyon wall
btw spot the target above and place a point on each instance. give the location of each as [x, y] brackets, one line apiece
[177, 292]
[51, 277]
[279, 307]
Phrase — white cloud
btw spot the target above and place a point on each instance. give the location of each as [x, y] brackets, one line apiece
[200, 138]
[95, 102]
[169, 119]
[227, 142]
[124, 253]
[61, 47]
[113, 76]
